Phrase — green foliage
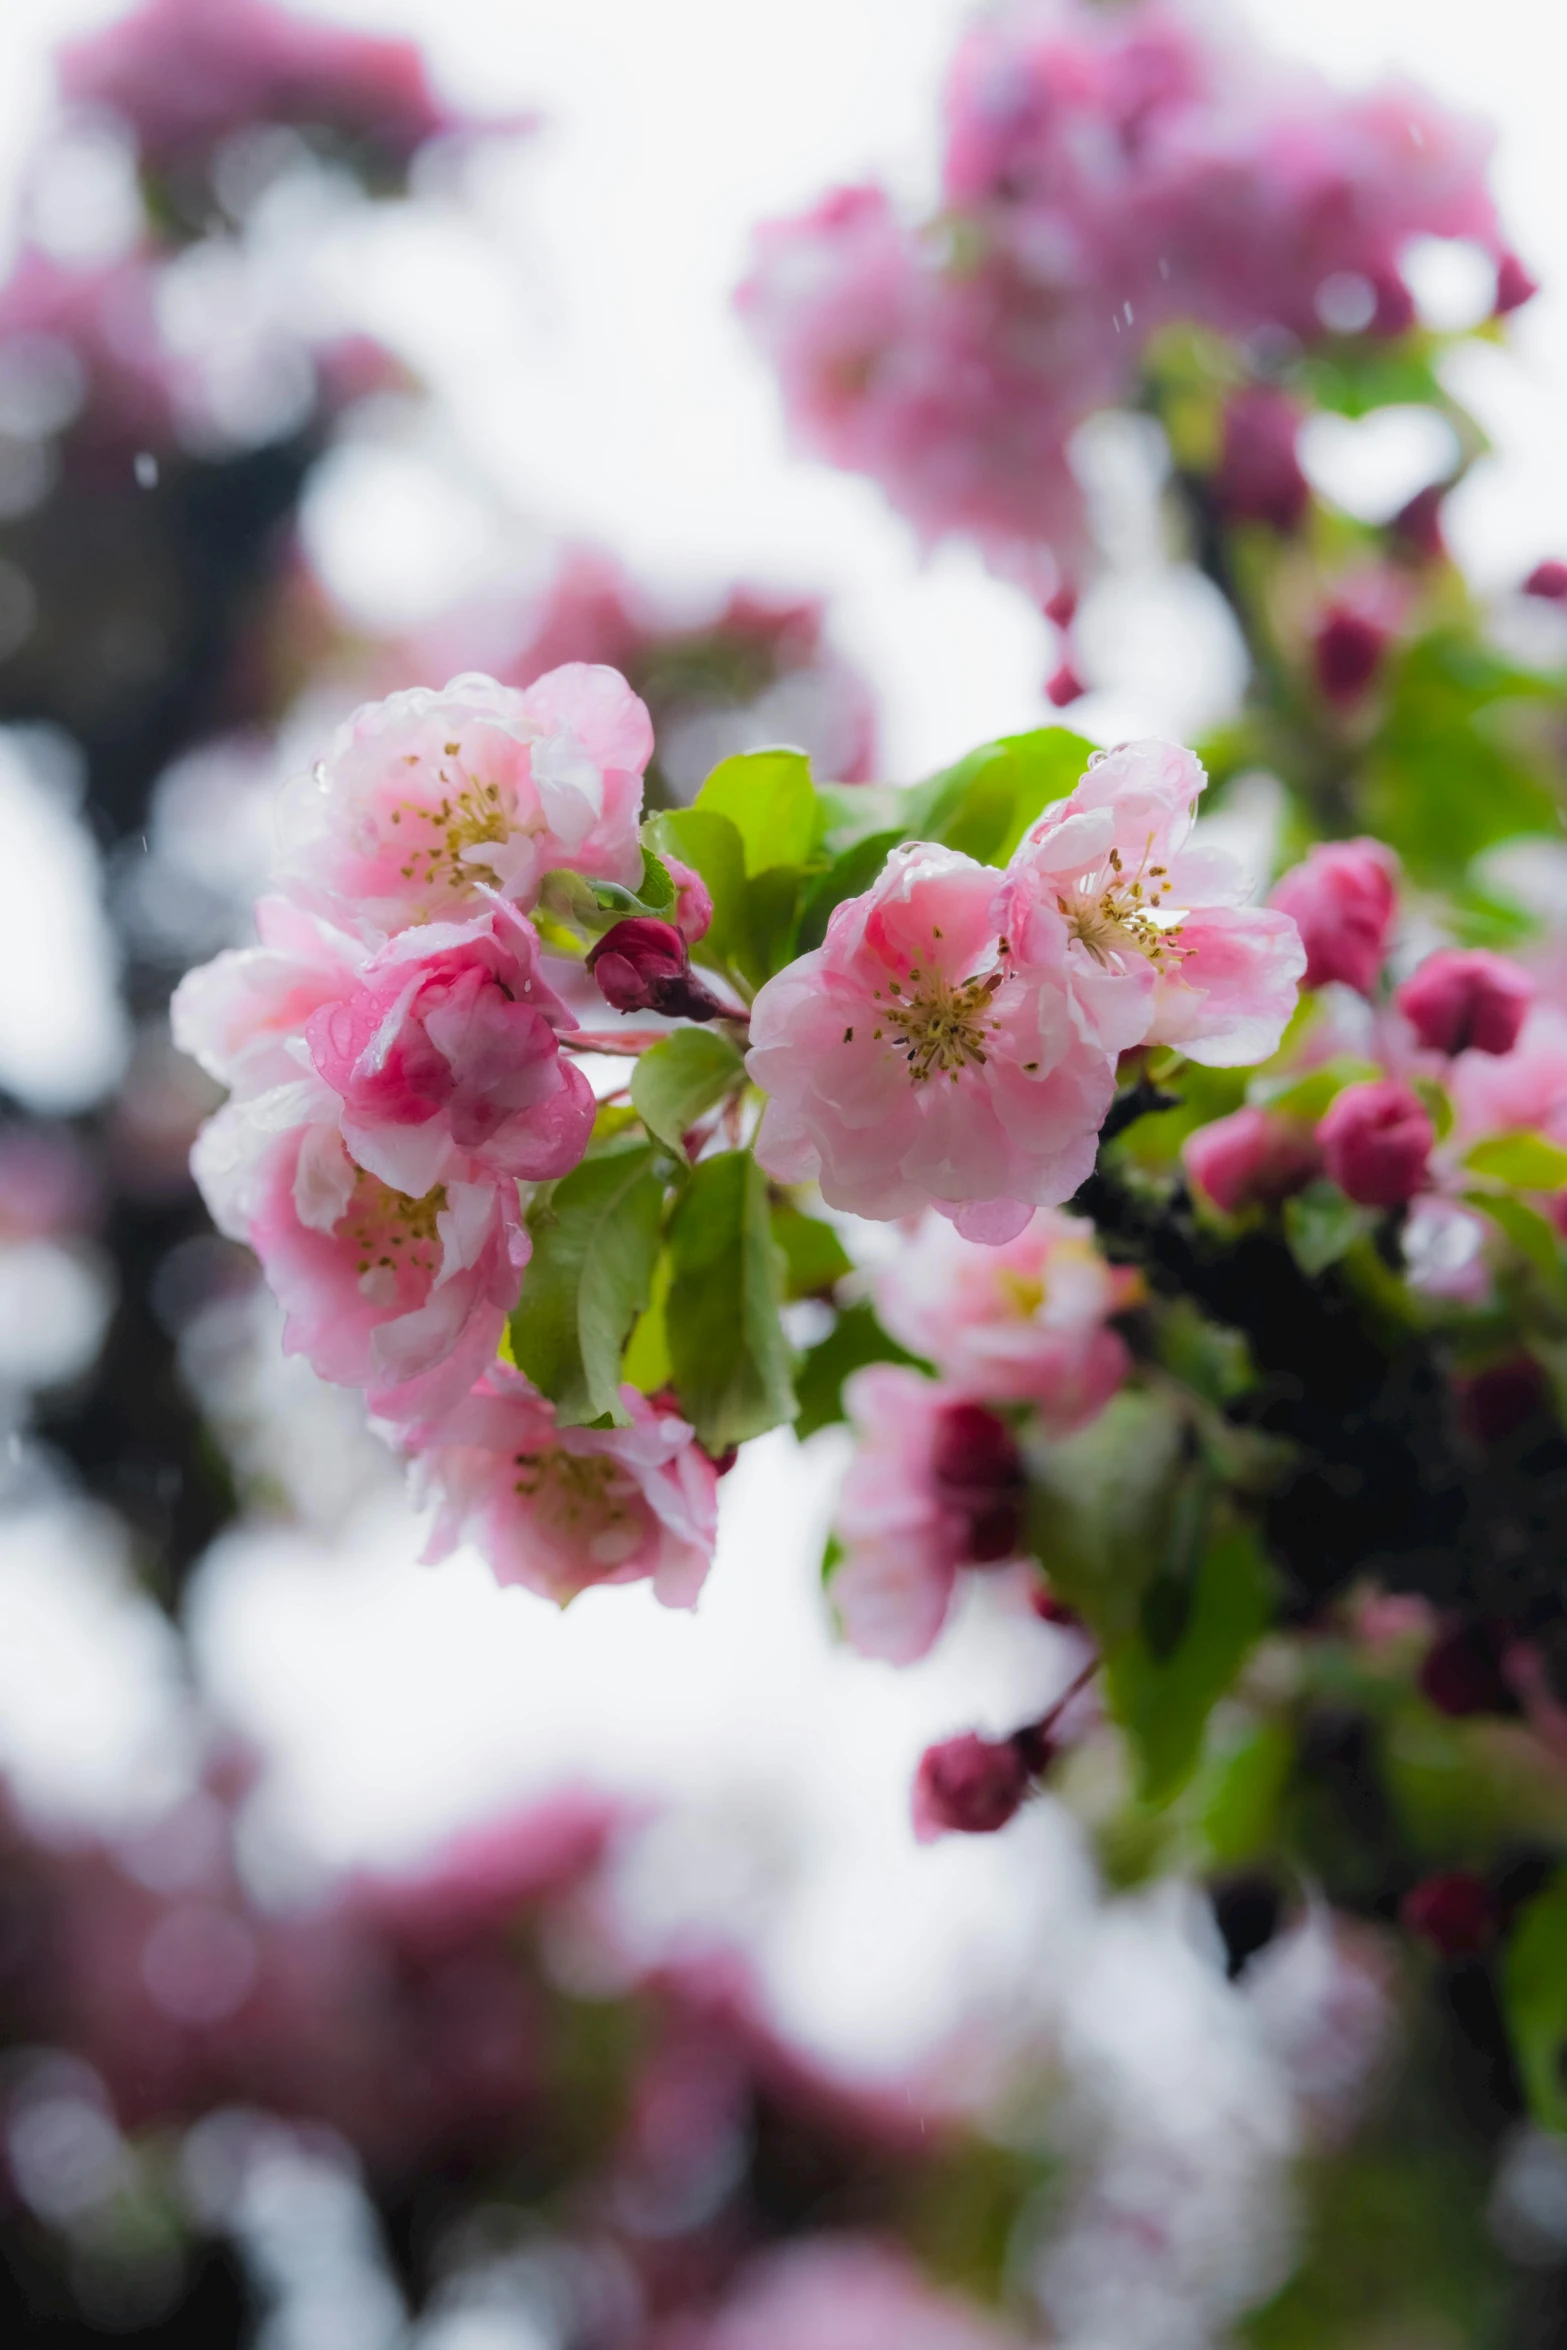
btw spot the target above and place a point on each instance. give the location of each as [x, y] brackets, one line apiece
[814, 1256]
[985, 804]
[1238, 1792]
[1308, 1097]
[1163, 1689]
[848, 876]
[1456, 766]
[1101, 1509]
[595, 1238]
[855, 1339]
[770, 800]
[1322, 1225]
[771, 911]
[1534, 1982]
[1529, 1162]
[674, 1081]
[711, 846]
[727, 1349]
[1208, 1358]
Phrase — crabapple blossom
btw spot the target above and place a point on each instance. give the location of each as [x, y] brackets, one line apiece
[1462, 1001]
[837, 2292]
[1253, 1158]
[427, 799]
[445, 1056]
[641, 965]
[934, 1485]
[404, 1296]
[914, 1060]
[242, 1015]
[1342, 898]
[1376, 1141]
[1026, 1322]
[968, 1786]
[1150, 930]
[560, 1509]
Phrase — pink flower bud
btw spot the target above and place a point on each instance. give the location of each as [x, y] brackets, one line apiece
[1259, 477]
[1514, 285]
[1462, 1672]
[693, 904]
[1455, 1912]
[976, 1469]
[1066, 686]
[641, 966]
[1251, 1159]
[1342, 900]
[1417, 526]
[1462, 1001]
[1347, 654]
[1395, 310]
[968, 1786]
[1548, 580]
[1376, 1139]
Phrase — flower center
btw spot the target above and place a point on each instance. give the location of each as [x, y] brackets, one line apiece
[940, 1025]
[391, 1233]
[468, 814]
[1121, 912]
[584, 1499]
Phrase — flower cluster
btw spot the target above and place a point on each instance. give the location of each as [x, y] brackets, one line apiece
[393, 1050]
[954, 1040]
[1107, 172]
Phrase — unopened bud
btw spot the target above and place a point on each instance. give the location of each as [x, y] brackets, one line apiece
[968, 1786]
[1342, 899]
[1258, 478]
[642, 966]
[1462, 1672]
[1548, 581]
[1347, 653]
[693, 902]
[977, 1470]
[1064, 687]
[1514, 285]
[1251, 1159]
[1467, 1001]
[1455, 1912]
[1376, 1141]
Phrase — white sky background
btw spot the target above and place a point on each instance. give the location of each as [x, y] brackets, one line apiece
[599, 387]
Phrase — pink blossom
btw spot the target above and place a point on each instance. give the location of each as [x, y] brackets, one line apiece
[837, 2293]
[1342, 899]
[445, 1057]
[934, 1485]
[1467, 1001]
[561, 1509]
[242, 1016]
[406, 1297]
[1150, 929]
[1259, 477]
[968, 1786]
[1376, 1140]
[427, 799]
[912, 1060]
[1022, 1323]
[1251, 1159]
[1524, 1091]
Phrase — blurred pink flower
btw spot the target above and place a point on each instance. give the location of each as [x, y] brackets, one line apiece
[1462, 1001]
[1251, 1159]
[1150, 929]
[243, 1015]
[561, 1509]
[1377, 1139]
[1522, 1091]
[445, 1056]
[1022, 1323]
[836, 2293]
[1342, 899]
[428, 798]
[934, 1485]
[912, 1060]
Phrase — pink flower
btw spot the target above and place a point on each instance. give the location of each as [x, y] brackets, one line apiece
[243, 1014]
[1258, 478]
[405, 1297]
[1251, 1159]
[1022, 1323]
[427, 799]
[1342, 900]
[1523, 1091]
[1150, 931]
[911, 1060]
[934, 1485]
[1376, 1140]
[837, 2293]
[561, 1509]
[968, 1786]
[1467, 1001]
[445, 1057]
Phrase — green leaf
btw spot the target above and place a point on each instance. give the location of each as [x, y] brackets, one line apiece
[986, 803]
[1163, 1700]
[855, 1339]
[848, 876]
[770, 800]
[730, 1357]
[596, 906]
[711, 846]
[675, 1080]
[1534, 1985]
[1240, 1790]
[595, 1237]
[1212, 1359]
[813, 1253]
[1532, 1235]
[1322, 1225]
[1101, 1509]
[1309, 1097]
[771, 909]
[647, 1365]
[1529, 1162]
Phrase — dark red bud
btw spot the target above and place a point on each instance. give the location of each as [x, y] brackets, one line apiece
[1514, 285]
[1052, 1610]
[1395, 310]
[1462, 1672]
[968, 1786]
[977, 1471]
[1347, 653]
[1258, 478]
[1455, 1912]
[1467, 1001]
[1501, 1399]
[1548, 580]
[1417, 527]
[1062, 607]
[641, 965]
[1066, 686]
